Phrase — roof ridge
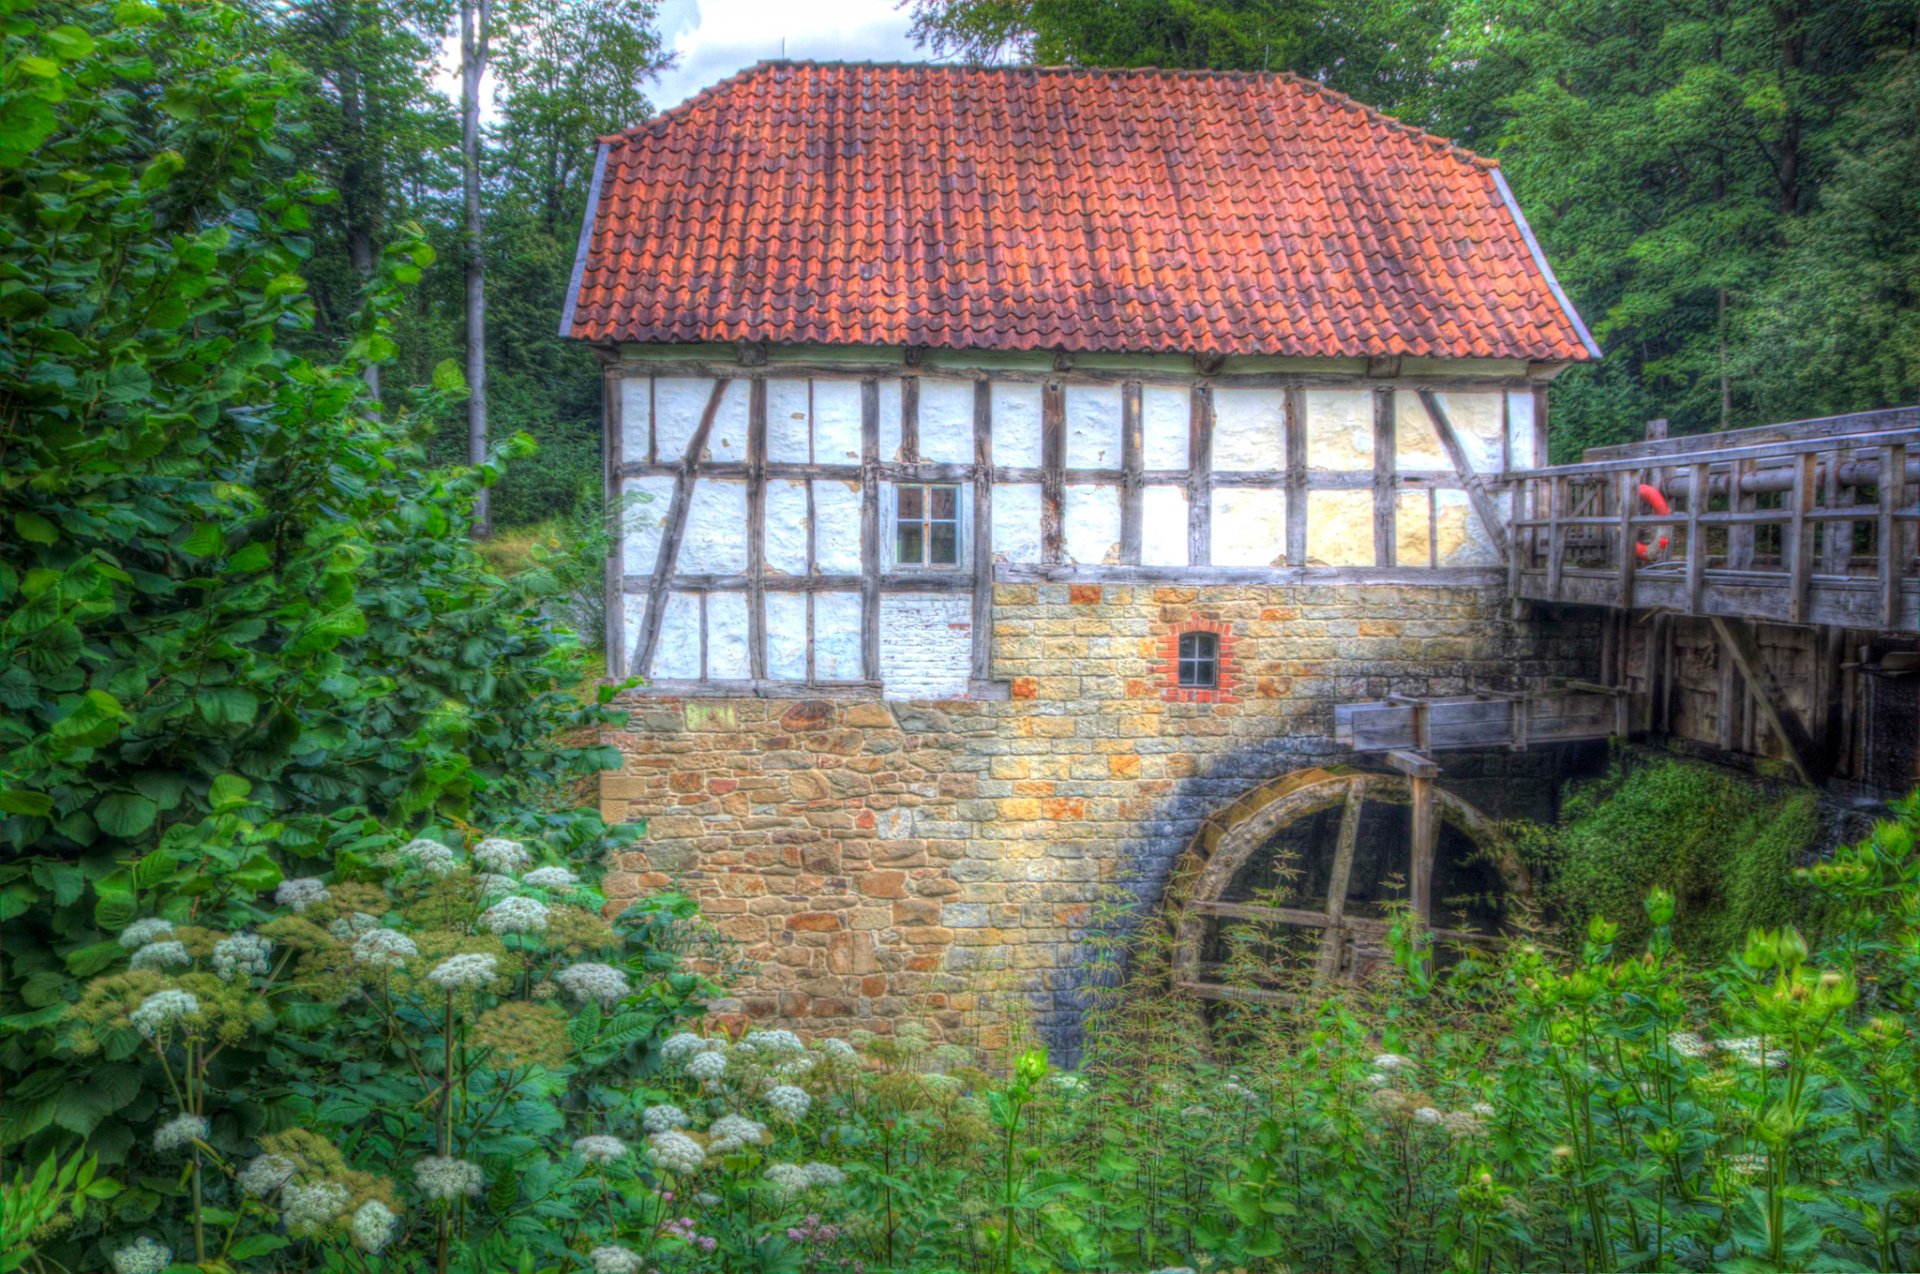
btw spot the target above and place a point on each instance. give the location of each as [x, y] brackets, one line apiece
[1303, 82]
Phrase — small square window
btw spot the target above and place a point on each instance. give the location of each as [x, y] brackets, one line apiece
[1199, 662]
[926, 526]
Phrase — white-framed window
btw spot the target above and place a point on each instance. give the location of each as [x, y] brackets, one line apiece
[926, 526]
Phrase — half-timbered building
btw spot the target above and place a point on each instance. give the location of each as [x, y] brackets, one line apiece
[1013, 468]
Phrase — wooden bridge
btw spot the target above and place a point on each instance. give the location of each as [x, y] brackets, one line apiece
[1811, 522]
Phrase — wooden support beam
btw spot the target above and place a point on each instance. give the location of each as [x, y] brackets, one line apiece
[870, 529]
[1132, 489]
[1385, 487]
[909, 420]
[1737, 642]
[1696, 543]
[1556, 535]
[1420, 871]
[982, 617]
[1333, 941]
[1053, 466]
[1484, 505]
[1627, 494]
[1800, 548]
[1416, 765]
[612, 442]
[1200, 476]
[1542, 450]
[1740, 539]
[1890, 539]
[672, 529]
[1295, 425]
[757, 529]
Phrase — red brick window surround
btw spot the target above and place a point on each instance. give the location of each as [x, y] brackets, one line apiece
[1167, 665]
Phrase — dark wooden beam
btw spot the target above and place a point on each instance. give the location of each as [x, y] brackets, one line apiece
[757, 529]
[1385, 489]
[870, 529]
[612, 443]
[672, 529]
[981, 635]
[909, 420]
[1132, 489]
[1737, 642]
[1484, 505]
[1053, 466]
[1200, 476]
[1295, 424]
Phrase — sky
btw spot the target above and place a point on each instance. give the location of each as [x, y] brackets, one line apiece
[715, 38]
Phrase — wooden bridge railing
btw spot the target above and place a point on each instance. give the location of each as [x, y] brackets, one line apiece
[1812, 522]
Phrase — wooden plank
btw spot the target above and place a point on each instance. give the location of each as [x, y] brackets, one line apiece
[1132, 451]
[1772, 453]
[1556, 535]
[1332, 945]
[1385, 489]
[757, 529]
[870, 529]
[1836, 539]
[1295, 424]
[1696, 545]
[1627, 545]
[1053, 465]
[1200, 476]
[612, 444]
[1542, 448]
[981, 636]
[909, 420]
[1737, 642]
[1407, 576]
[672, 529]
[1484, 505]
[1420, 871]
[1792, 431]
[1740, 539]
[1889, 539]
[1800, 548]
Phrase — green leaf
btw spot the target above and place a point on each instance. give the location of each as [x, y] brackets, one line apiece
[16, 800]
[151, 870]
[69, 42]
[206, 540]
[229, 791]
[124, 814]
[35, 529]
[226, 705]
[448, 378]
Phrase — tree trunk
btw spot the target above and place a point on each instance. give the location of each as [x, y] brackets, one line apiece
[474, 16]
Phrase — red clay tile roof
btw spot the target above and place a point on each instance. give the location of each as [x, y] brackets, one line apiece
[1029, 208]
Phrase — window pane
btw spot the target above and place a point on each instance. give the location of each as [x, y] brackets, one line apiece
[1198, 664]
[911, 549]
[944, 544]
[1189, 645]
[909, 506]
[945, 502]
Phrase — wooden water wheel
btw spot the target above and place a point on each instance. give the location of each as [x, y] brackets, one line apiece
[1342, 846]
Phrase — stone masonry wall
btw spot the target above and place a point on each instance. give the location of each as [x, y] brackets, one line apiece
[881, 861]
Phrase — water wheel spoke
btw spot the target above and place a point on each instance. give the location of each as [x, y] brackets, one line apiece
[1334, 939]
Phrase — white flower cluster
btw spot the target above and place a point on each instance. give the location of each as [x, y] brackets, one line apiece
[614, 1260]
[1197, 1113]
[1391, 1062]
[680, 1047]
[790, 1102]
[374, 1225]
[795, 1067]
[384, 948]
[306, 1208]
[837, 1047]
[141, 932]
[242, 955]
[179, 1132]
[1747, 1049]
[440, 1177]
[161, 1010]
[347, 928]
[490, 886]
[600, 1149]
[142, 1256]
[161, 955]
[707, 1067]
[663, 1118]
[677, 1153]
[772, 1042]
[464, 972]
[732, 1132]
[792, 1178]
[516, 915]
[430, 856]
[550, 878]
[1688, 1044]
[266, 1174]
[1427, 1115]
[1484, 1109]
[301, 892]
[589, 981]
[498, 854]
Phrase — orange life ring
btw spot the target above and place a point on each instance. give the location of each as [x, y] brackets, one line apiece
[1650, 496]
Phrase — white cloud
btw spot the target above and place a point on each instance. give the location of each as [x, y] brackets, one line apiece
[715, 38]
